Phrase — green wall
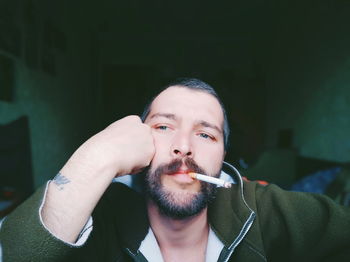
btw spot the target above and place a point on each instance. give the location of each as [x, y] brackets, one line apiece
[309, 79]
[60, 107]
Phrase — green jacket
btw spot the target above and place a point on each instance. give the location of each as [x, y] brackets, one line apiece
[265, 223]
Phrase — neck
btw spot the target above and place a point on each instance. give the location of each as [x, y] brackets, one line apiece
[178, 233]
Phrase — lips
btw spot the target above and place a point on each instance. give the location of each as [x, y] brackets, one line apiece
[182, 176]
[183, 169]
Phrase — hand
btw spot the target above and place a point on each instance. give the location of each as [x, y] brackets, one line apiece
[122, 148]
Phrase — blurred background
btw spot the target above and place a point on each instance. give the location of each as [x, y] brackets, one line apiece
[70, 68]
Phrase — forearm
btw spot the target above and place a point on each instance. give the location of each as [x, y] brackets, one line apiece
[123, 147]
[70, 200]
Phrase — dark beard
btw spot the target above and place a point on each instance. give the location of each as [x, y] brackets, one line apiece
[178, 205]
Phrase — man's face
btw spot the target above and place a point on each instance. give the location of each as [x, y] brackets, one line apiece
[187, 129]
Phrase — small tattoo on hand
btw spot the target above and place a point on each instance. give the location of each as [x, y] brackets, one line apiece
[60, 181]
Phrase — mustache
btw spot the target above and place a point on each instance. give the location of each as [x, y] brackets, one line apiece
[174, 166]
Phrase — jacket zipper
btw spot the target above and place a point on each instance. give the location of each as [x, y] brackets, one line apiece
[247, 224]
[241, 235]
[136, 257]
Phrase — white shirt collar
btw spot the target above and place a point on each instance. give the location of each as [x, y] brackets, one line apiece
[151, 251]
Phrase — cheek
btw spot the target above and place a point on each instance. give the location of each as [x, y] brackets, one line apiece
[210, 158]
[161, 143]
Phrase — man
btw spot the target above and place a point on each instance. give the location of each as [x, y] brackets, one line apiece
[80, 215]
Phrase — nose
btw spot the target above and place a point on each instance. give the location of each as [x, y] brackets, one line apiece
[181, 146]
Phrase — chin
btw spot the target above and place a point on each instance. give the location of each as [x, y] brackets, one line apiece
[181, 204]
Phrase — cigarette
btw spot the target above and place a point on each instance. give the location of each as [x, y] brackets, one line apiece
[212, 180]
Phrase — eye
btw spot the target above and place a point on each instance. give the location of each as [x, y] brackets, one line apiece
[162, 127]
[206, 136]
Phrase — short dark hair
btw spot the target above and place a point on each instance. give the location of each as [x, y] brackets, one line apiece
[195, 84]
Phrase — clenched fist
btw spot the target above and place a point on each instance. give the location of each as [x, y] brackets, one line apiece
[122, 148]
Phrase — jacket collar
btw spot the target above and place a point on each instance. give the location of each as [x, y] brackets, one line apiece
[229, 215]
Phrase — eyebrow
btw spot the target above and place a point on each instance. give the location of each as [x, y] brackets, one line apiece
[206, 124]
[200, 123]
[169, 116]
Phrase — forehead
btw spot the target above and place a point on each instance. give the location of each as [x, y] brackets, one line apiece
[191, 103]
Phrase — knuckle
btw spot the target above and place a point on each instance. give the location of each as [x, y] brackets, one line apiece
[134, 118]
[113, 124]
